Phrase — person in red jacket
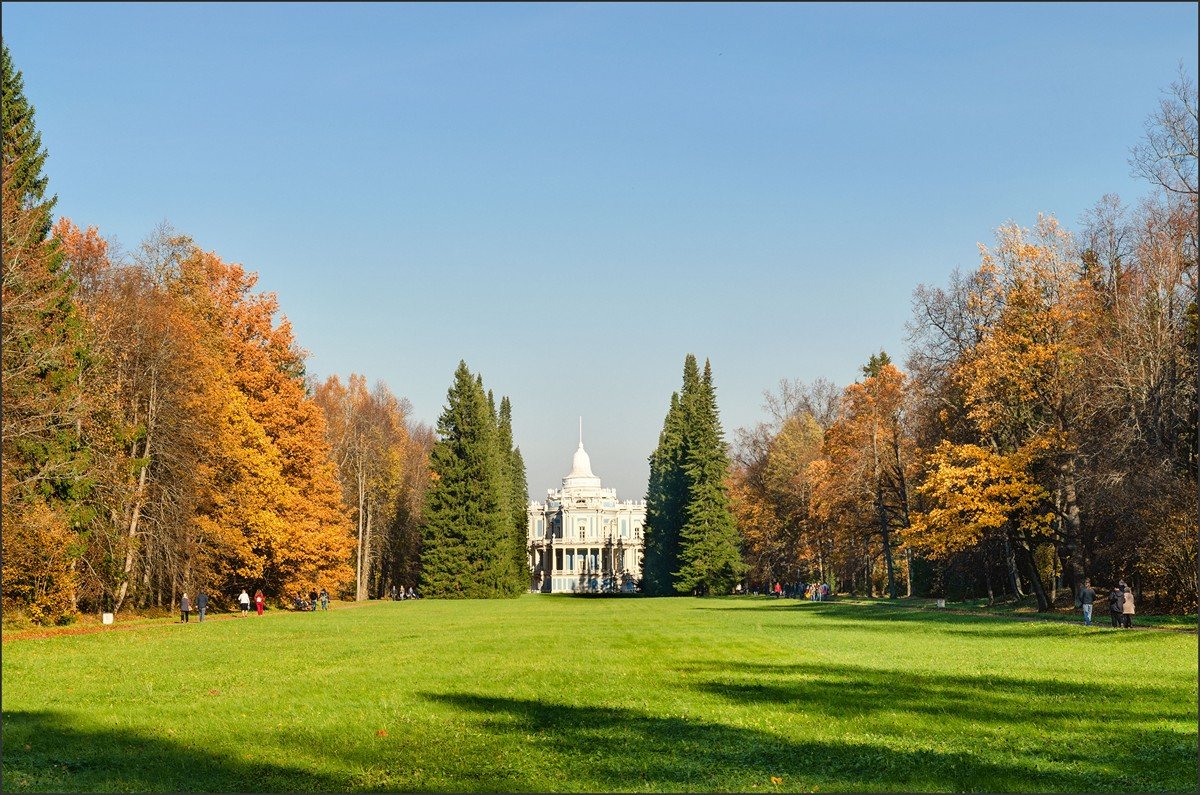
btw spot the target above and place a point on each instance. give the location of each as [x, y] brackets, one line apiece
[258, 601]
[778, 590]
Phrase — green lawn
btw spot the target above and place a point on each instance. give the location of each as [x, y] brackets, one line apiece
[573, 694]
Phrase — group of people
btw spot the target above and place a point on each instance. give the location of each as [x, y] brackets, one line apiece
[1120, 604]
[816, 591]
[812, 591]
[260, 602]
[185, 604]
[398, 594]
[314, 599]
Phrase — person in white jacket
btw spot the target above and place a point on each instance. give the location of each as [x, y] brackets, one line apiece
[244, 600]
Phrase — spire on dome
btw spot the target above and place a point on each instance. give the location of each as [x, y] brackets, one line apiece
[581, 466]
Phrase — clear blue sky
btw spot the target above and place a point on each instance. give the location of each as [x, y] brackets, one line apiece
[573, 197]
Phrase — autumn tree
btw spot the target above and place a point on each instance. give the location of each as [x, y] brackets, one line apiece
[44, 364]
[1167, 156]
[864, 486]
[772, 486]
[368, 433]
[400, 556]
[311, 545]
[145, 424]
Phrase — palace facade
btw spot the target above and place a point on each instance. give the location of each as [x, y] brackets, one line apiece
[582, 539]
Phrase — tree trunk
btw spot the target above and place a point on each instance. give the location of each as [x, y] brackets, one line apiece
[366, 575]
[987, 579]
[881, 513]
[887, 559]
[359, 594]
[908, 557]
[140, 494]
[902, 489]
[1025, 557]
[1010, 563]
[1072, 535]
[135, 518]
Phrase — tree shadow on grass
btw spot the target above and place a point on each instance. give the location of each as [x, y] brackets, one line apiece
[880, 616]
[47, 751]
[602, 749]
[982, 700]
[1070, 721]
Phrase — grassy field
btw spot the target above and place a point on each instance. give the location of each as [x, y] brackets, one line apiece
[575, 694]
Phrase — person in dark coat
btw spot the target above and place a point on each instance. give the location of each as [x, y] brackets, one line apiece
[312, 600]
[201, 604]
[1127, 609]
[185, 609]
[1115, 601]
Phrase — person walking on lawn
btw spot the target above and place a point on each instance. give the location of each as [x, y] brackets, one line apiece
[1087, 597]
[1115, 598]
[259, 601]
[324, 599]
[244, 601]
[185, 609]
[201, 604]
[1127, 609]
[312, 600]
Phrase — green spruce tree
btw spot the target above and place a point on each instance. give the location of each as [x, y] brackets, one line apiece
[518, 491]
[466, 550]
[45, 360]
[24, 156]
[666, 492]
[710, 554]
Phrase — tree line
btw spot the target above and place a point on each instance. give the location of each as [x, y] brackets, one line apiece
[159, 434]
[1044, 429]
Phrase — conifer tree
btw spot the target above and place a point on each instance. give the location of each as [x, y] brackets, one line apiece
[44, 362]
[710, 546]
[666, 492]
[518, 490]
[23, 152]
[466, 551]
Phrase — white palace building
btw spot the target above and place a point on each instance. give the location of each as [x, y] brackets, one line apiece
[582, 540]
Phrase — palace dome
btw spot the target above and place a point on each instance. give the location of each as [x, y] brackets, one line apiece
[581, 467]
